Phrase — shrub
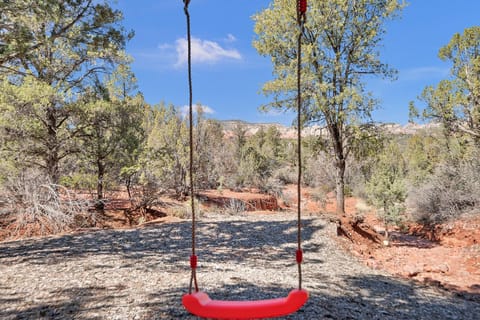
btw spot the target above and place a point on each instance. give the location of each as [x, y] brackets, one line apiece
[83, 181]
[453, 189]
[235, 206]
[146, 194]
[319, 171]
[286, 175]
[184, 211]
[38, 207]
[272, 187]
[386, 188]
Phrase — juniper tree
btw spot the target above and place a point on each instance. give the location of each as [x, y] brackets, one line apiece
[49, 52]
[111, 122]
[455, 102]
[386, 188]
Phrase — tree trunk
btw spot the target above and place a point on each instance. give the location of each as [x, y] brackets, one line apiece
[51, 156]
[128, 184]
[100, 176]
[340, 185]
[52, 166]
[386, 240]
[340, 164]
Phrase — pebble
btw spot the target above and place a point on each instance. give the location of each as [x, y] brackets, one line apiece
[253, 259]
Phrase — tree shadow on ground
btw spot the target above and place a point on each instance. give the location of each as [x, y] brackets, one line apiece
[368, 297]
[372, 297]
[400, 239]
[235, 241]
[270, 242]
[67, 303]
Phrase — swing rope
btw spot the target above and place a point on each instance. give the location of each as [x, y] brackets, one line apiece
[193, 257]
[301, 19]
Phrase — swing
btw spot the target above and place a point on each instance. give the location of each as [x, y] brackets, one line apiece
[198, 302]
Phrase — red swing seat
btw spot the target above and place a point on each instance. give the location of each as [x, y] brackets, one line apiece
[200, 304]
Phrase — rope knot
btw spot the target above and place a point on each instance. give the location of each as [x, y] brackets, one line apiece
[302, 6]
[299, 256]
[302, 10]
[193, 261]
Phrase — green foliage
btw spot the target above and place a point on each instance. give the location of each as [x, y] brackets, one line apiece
[386, 188]
[35, 124]
[75, 30]
[423, 154]
[210, 161]
[254, 167]
[165, 154]
[446, 185]
[261, 155]
[451, 190]
[49, 52]
[79, 181]
[110, 123]
[456, 102]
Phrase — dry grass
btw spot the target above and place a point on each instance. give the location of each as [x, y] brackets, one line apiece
[32, 206]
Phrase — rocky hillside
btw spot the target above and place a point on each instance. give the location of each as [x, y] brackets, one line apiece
[290, 132]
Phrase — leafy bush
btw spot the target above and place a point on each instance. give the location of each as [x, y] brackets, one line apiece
[83, 181]
[386, 188]
[453, 189]
[272, 187]
[286, 175]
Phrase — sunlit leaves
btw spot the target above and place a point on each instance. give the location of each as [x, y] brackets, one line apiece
[456, 102]
[340, 43]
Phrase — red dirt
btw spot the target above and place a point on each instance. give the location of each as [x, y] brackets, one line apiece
[448, 257]
[251, 200]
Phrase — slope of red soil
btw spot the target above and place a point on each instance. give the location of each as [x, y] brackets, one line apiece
[450, 258]
[250, 200]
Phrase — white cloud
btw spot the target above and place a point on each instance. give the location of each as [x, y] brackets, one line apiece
[196, 107]
[203, 51]
[230, 38]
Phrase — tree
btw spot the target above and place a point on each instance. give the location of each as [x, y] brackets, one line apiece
[208, 147]
[15, 40]
[111, 126]
[340, 42]
[456, 102]
[49, 53]
[386, 188]
[273, 143]
[423, 153]
[165, 155]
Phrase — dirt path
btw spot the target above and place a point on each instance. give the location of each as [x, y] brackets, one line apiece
[142, 273]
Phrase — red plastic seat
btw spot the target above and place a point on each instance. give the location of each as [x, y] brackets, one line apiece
[200, 304]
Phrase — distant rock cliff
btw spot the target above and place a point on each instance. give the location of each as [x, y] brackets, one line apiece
[291, 132]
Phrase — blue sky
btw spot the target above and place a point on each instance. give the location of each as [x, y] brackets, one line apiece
[228, 73]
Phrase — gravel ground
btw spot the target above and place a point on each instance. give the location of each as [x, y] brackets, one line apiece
[142, 273]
